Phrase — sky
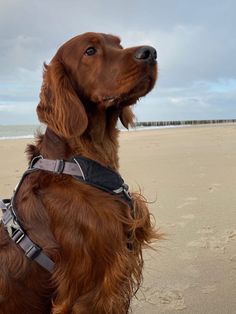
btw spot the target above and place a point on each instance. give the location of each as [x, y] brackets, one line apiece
[195, 42]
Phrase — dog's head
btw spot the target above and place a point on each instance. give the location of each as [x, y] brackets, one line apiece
[94, 69]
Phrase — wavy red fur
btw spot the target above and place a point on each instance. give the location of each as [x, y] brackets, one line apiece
[82, 229]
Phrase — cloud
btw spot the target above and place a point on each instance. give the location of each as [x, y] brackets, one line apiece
[17, 113]
[196, 50]
[18, 108]
[201, 100]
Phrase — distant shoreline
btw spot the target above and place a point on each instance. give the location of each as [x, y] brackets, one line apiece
[12, 132]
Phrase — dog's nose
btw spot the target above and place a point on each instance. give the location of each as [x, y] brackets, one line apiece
[147, 54]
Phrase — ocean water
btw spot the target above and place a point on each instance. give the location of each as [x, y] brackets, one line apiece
[28, 131]
[18, 131]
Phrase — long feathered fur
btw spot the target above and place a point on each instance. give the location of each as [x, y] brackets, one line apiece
[86, 231]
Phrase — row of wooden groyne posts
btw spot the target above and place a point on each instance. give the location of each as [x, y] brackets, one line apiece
[184, 122]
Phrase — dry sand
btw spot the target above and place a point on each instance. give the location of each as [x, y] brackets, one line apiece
[191, 173]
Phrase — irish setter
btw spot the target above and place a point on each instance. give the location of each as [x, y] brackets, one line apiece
[90, 83]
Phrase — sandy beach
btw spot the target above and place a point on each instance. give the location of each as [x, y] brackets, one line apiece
[190, 176]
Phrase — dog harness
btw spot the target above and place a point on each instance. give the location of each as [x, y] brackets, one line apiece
[82, 169]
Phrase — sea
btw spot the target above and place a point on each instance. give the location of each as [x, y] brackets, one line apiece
[18, 131]
[8, 132]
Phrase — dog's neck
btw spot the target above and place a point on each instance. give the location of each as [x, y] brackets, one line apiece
[99, 141]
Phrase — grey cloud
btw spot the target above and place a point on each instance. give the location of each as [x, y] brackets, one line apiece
[32, 30]
[195, 41]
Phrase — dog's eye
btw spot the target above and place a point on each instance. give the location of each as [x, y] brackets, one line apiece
[90, 51]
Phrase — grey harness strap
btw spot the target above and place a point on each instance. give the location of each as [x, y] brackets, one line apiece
[18, 235]
[58, 166]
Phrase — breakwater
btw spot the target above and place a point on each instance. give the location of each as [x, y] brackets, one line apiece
[183, 122]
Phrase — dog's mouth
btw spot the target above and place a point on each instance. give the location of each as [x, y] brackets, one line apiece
[118, 99]
[131, 96]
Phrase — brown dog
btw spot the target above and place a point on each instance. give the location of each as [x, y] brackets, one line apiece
[95, 238]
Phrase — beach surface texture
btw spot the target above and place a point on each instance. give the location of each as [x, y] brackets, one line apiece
[189, 176]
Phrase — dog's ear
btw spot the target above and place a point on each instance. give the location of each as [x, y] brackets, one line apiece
[127, 117]
[60, 107]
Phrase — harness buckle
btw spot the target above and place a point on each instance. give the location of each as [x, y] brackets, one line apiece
[59, 166]
[10, 223]
[33, 251]
[18, 235]
[4, 204]
[126, 191]
[34, 160]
